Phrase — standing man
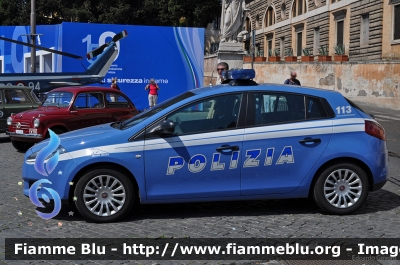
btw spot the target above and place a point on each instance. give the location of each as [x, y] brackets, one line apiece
[222, 66]
[153, 92]
[292, 80]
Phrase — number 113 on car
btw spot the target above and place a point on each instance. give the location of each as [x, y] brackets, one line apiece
[343, 109]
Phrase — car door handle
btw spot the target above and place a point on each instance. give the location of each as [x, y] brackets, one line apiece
[310, 140]
[225, 148]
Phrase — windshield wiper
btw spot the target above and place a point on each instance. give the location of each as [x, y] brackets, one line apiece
[117, 124]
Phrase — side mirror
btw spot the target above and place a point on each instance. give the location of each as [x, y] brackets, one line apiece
[166, 127]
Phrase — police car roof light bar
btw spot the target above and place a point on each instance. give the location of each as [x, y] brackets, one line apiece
[239, 74]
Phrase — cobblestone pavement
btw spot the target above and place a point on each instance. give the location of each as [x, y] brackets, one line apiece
[379, 217]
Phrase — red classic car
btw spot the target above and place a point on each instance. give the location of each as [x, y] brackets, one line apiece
[67, 109]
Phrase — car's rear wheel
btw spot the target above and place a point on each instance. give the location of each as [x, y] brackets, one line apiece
[21, 146]
[104, 195]
[341, 188]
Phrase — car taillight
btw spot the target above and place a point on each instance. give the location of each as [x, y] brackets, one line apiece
[374, 129]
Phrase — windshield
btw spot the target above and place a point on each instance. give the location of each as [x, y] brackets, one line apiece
[150, 112]
[58, 99]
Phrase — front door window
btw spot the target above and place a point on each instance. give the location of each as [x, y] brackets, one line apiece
[218, 113]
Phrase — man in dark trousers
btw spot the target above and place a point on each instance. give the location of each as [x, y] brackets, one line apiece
[292, 80]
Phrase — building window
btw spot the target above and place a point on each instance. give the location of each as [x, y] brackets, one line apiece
[339, 32]
[214, 47]
[299, 7]
[269, 46]
[283, 11]
[282, 46]
[396, 21]
[248, 25]
[316, 41]
[247, 47]
[257, 22]
[294, 8]
[364, 34]
[270, 17]
[217, 23]
[299, 43]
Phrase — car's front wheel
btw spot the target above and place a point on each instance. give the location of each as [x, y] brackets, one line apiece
[21, 146]
[341, 188]
[104, 195]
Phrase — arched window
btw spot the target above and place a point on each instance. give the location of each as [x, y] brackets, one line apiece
[299, 7]
[270, 17]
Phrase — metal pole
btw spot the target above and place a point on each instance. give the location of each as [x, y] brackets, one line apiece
[253, 44]
[33, 36]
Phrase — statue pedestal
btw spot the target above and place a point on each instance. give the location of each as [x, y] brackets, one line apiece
[232, 54]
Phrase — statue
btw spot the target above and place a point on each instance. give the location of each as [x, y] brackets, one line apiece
[233, 15]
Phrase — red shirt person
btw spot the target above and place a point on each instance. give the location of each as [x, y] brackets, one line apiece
[153, 92]
[114, 84]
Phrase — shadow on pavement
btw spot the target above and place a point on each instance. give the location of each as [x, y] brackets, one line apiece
[377, 201]
[4, 139]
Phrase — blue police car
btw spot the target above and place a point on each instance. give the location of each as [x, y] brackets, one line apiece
[235, 141]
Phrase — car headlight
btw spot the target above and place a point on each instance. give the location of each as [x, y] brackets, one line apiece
[9, 121]
[36, 123]
[60, 150]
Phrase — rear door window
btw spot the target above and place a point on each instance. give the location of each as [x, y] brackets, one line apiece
[115, 100]
[89, 101]
[315, 109]
[272, 108]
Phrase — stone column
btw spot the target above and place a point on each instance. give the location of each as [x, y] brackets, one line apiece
[232, 54]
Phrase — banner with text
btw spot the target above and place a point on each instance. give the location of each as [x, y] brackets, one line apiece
[173, 56]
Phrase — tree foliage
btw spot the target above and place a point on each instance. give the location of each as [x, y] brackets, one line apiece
[191, 13]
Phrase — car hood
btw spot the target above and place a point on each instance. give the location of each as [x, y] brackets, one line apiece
[82, 138]
[34, 113]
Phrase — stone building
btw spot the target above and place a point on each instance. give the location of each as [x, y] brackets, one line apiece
[367, 29]
[212, 37]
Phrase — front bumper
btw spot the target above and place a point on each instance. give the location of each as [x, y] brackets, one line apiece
[60, 178]
[25, 135]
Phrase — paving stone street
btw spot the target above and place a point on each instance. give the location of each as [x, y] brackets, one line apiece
[295, 218]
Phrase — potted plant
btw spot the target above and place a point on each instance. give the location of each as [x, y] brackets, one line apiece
[340, 57]
[306, 56]
[247, 58]
[274, 57]
[323, 54]
[289, 55]
[260, 57]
